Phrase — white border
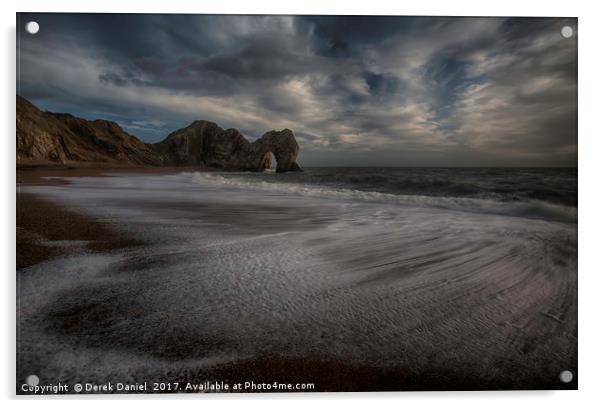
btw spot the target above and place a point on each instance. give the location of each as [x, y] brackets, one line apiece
[590, 184]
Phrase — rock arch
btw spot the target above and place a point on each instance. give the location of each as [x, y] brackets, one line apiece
[207, 144]
[282, 145]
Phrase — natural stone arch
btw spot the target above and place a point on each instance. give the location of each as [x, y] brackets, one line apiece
[257, 156]
[283, 146]
[205, 143]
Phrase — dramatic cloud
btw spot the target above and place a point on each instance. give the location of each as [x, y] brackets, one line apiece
[393, 91]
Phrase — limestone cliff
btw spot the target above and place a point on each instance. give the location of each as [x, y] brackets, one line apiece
[205, 143]
[60, 138]
[53, 138]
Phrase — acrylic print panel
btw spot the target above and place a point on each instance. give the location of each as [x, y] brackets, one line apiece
[295, 203]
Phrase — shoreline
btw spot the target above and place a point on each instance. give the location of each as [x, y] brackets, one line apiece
[37, 215]
[41, 234]
[38, 174]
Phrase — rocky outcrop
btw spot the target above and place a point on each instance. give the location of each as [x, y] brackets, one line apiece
[205, 143]
[45, 137]
[59, 138]
[201, 143]
[281, 144]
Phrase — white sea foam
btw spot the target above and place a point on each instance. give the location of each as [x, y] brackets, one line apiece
[530, 208]
[237, 270]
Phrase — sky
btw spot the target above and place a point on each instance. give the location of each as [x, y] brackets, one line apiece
[356, 90]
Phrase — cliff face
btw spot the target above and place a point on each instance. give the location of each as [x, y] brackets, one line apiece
[201, 143]
[205, 143]
[44, 137]
[283, 145]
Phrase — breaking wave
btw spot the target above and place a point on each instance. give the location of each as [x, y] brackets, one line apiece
[529, 208]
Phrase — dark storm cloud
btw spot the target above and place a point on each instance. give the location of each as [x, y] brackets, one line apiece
[341, 37]
[357, 90]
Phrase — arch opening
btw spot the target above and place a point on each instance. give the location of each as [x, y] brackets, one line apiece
[273, 162]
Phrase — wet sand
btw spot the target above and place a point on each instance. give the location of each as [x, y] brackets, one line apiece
[42, 174]
[47, 230]
[92, 313]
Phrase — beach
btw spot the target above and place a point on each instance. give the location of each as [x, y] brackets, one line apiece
[186, 275]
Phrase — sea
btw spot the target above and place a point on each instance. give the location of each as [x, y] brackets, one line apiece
[549, 193]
